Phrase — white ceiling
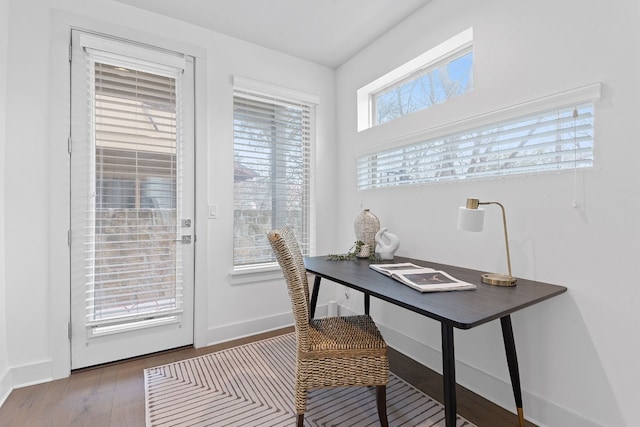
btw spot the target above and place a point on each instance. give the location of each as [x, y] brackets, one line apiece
[328, 32]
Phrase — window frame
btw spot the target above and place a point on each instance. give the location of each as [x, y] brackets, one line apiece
[431, 59]
[417, 75]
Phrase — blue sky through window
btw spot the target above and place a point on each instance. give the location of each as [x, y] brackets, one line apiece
[434, 85]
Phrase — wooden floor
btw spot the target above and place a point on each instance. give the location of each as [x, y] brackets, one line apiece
[113, 395]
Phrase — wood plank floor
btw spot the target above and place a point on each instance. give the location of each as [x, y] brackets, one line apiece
[113, 395]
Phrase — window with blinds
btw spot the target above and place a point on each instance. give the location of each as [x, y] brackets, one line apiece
[272, 157]
[133, 262]
[551, 140]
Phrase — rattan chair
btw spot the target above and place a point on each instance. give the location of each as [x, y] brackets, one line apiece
[331, 351]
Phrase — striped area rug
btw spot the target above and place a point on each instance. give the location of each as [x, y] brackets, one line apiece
[252, 385]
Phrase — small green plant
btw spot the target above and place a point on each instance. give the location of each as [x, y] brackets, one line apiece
[352, 253]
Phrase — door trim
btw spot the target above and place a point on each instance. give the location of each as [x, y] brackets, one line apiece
[62, 22]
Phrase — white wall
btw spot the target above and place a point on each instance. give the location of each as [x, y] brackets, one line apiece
[36, 205]
[578, 353]
[5, 379]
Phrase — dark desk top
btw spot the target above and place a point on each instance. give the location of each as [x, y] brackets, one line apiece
[461, 309]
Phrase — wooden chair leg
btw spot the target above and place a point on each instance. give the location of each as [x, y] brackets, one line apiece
[381, 393]
[300, 400]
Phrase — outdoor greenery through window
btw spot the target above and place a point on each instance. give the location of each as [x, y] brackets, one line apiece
[437, 83]
[551, 140]
[272, 157]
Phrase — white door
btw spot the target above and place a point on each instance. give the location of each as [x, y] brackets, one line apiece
[132, 182]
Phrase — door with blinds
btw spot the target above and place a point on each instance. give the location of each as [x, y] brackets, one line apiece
[132, 181]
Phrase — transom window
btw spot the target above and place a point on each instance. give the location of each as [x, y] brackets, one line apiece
[450, 78]
[441, 73]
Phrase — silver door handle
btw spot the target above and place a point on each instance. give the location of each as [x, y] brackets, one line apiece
[184, 239]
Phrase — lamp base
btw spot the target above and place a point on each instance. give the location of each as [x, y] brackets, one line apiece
[498, 279]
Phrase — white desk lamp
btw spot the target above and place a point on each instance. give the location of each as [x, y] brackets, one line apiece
[471, 218]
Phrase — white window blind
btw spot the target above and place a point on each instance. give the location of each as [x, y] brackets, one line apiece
[272, 154]
[551, 140]
[133, 263]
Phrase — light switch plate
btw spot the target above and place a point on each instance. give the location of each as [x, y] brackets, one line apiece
[213, 211]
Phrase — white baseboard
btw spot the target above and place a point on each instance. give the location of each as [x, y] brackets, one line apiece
[252, 327]
[34, 373]
[23, 376]
[5, 385]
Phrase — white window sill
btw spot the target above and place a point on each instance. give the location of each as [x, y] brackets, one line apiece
[259, 273]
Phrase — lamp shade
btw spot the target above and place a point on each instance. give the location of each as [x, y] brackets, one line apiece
[470, 219]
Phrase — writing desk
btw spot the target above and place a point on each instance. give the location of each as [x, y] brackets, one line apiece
[455, 309]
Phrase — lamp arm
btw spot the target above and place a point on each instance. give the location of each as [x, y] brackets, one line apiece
[506, 237]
